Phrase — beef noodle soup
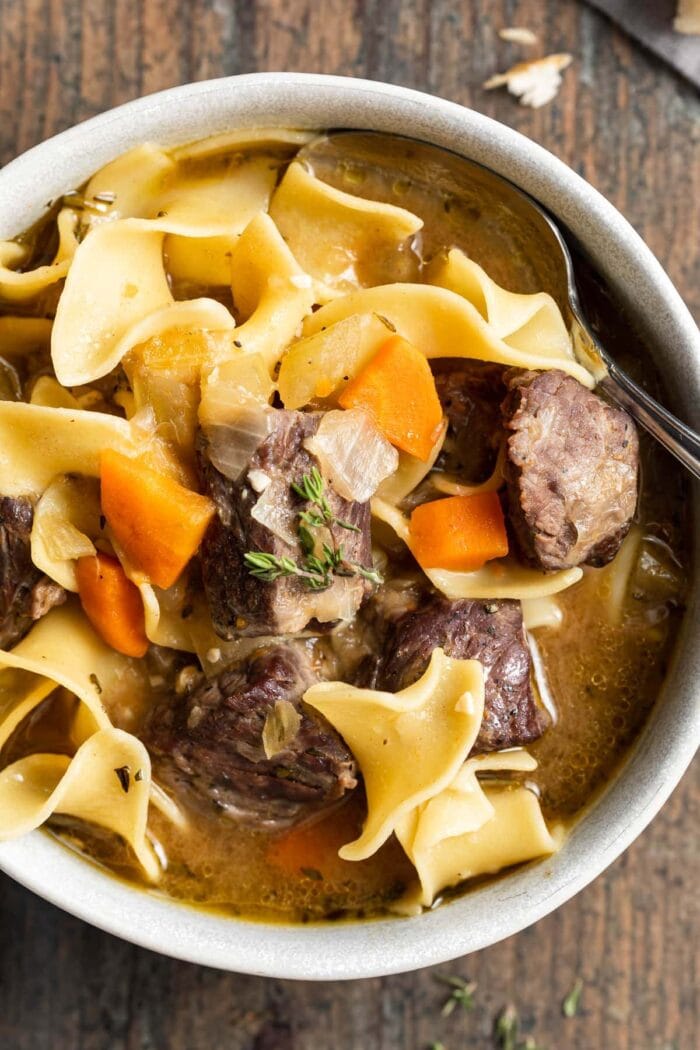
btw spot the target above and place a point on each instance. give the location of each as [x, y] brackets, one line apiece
[328, 582]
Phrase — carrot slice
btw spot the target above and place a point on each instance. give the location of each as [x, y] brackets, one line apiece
[396, 388]
[312, 849]
[112, 603]
[459, 533]
[158, 522]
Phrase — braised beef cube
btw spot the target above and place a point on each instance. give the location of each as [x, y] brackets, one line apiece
[239, 602]
[209, 744]
[571, 470]
[26, 594]
[470, 393]
[489, 631]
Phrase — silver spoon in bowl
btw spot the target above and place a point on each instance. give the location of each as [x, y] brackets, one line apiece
[466, 205]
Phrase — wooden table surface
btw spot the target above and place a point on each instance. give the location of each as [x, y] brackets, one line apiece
[631, 127]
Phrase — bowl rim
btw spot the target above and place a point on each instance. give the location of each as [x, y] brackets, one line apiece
[670, 738]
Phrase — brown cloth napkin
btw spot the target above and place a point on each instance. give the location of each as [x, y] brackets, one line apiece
[651, 22]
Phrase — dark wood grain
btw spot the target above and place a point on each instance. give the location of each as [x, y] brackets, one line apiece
[632, 128]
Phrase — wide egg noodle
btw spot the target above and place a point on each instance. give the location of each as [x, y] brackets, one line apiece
[117, 296]
[343, 241]
[62, 649]
[246, 138]
[47, 392]
[500, 826]
[38, 443]
[202, 213]
[20, 336]
[500, 578]
[442, 323]
[117, 279]
[86, 787]
[129, 186]
[531, 323]
[240, 194]
[16, 287]
[451, 486]
[270, 290]
[408, 745]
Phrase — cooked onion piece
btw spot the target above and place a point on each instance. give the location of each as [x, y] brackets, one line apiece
[319, 366]
[243, 380]
[231, 445]
[281, 726]
[66, 520]
[354, 455]
[343, 241]
[437, 718]
[502, 578]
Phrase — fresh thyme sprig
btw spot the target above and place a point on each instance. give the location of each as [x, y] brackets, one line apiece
[312, 489]
[317, 570]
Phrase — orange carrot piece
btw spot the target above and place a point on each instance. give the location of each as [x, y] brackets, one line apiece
[158, 522]
[397, 389]
[459, 533]
[112, 603]
[314, 847]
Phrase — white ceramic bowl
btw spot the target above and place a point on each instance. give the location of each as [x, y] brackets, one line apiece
[668, 743]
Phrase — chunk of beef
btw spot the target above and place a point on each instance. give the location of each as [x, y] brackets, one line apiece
[571, 471]
[242, 604]
[489, 631]
[471, 393]
[26, 594]
[209, 743]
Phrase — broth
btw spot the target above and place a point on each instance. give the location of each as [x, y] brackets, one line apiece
[602, 669]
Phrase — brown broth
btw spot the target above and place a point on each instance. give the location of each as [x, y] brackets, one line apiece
[603, 672]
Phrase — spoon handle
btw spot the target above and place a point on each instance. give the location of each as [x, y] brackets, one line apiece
[676, 437]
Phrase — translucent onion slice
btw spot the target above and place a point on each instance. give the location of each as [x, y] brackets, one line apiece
[241, 381]
[232, 445]
[354, 456]
[273, 511]
[63, 541]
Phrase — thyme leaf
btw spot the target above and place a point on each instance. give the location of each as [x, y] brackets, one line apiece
[506, 1030]
[461, 994]
[571, 1002]
[316, 569]
[124, 777]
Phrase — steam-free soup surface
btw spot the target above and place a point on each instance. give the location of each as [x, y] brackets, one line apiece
[597, 667]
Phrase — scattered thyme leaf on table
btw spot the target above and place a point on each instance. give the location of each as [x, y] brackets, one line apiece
[571, 1002]
[461, 994]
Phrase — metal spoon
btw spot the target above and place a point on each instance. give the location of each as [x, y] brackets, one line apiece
[466, 205]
